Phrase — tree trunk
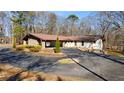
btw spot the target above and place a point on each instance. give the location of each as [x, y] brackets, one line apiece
[14, 42]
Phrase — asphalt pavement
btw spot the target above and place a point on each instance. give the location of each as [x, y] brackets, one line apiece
[87, 66]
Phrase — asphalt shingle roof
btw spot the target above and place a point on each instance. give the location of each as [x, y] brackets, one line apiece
[66, 38]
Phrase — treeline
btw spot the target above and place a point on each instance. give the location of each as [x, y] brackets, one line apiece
[109, 24]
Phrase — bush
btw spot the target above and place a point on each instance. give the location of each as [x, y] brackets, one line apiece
[36, 48]
[57, 46]
[29, 46]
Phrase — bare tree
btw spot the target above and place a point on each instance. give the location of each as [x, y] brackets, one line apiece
[52, 23]
[2, 23]
[85, 26]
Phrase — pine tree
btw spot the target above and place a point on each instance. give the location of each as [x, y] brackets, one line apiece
[17, 19]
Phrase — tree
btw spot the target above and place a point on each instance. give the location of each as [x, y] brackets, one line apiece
[42, 22]
[57, 46]
[110, 23]
[85, 26]
[72, 18]
[17, 19]
[52, 23]
[2, 23]
[104, 24]
[31, 17]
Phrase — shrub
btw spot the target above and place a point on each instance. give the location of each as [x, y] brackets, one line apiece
[29, 46]
[36, 48]
[57, 46]
[24, 46]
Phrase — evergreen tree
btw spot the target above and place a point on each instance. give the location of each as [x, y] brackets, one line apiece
[57, 46]
[17, 19]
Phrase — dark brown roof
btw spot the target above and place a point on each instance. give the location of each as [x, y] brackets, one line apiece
[65, 38]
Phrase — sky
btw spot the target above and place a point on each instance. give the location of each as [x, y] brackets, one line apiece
[65, 14]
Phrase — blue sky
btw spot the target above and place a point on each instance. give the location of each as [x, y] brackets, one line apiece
[80, 14]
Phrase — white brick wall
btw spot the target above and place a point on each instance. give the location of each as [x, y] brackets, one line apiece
[79, 44]
[32, 42]
[89, 45]
[72, 44]
[97, 45]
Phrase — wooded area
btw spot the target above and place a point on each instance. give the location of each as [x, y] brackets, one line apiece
[109, 24]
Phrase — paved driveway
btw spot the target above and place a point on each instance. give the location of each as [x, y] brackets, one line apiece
[87, 66]
[108, 67]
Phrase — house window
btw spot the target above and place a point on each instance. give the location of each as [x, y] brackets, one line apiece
[47, 44]
[82, 43]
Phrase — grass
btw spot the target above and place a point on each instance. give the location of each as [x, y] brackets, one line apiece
[66, 61]
[114, 53]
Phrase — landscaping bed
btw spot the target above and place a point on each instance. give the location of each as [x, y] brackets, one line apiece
[37, 50]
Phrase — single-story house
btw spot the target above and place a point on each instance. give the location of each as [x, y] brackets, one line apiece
[87, 41]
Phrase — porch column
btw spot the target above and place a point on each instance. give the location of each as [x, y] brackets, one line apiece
[43, 44]
[24, 42]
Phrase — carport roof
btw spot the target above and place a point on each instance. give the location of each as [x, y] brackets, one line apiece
[47, 37]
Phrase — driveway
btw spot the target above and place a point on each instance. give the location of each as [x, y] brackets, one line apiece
[87, 66]
[108, 67]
